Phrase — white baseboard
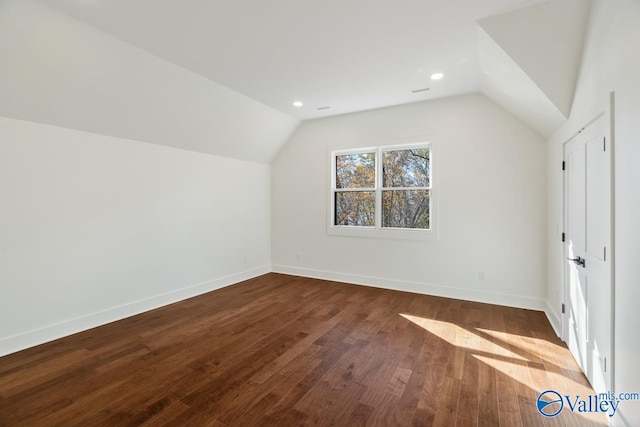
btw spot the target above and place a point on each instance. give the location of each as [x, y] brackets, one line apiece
[554, 319]
[418, 288]
[48, 333]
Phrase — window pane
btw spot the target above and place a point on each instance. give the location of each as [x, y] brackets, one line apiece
[355, 208]
[356, 170]
[405, 208]
[406, 168]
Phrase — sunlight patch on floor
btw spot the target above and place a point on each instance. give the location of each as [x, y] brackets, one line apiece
[460, 337]
[536, 347]
[535, 363]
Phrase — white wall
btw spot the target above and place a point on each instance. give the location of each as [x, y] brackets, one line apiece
[95, 228]
[492, 204]
[62, 72]
[611, 63]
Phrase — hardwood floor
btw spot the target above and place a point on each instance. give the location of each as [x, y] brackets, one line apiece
[287, 351]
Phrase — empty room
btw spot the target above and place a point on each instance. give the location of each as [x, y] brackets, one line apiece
[296, 212]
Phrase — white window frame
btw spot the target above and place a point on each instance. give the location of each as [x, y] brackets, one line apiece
[377, 231]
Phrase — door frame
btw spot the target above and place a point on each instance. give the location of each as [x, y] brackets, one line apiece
[608, 130]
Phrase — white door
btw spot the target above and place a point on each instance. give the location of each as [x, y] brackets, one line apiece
[588, 310]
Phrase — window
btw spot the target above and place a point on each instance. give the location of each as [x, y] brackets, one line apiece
[383, 192]
[355, 192]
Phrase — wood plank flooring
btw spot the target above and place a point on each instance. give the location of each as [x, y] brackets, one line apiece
[288, 351]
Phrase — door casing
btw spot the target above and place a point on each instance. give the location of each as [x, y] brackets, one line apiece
[601, 123]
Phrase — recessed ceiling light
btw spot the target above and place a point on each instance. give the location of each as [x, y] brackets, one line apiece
[298, 104]
[437, 76]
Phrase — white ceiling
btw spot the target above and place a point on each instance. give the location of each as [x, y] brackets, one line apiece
[59, 71]
[350, 55]
[530, 60]
[509, 86]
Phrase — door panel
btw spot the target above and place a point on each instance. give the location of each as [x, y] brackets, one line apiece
[576, 245]
[598, 220]
[596, 195]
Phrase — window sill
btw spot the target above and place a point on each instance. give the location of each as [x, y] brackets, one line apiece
[383, 233]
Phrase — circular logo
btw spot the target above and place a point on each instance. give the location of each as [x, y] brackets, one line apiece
[550, 403]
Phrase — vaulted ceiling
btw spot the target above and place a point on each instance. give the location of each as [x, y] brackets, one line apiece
[349, 55]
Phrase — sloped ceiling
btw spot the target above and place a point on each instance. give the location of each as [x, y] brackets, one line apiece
[220, 77]
[530, 60]
[504, 82]
[347, 55]
[59, 71]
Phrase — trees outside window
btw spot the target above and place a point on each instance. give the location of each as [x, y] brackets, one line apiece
[355, 182]
[382, 188]
[406, 181]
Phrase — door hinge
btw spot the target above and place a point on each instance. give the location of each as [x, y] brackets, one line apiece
[563, 237]
[604, 144]
[605, 364]
[562, 308]
[605, 253]
[564, 165]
